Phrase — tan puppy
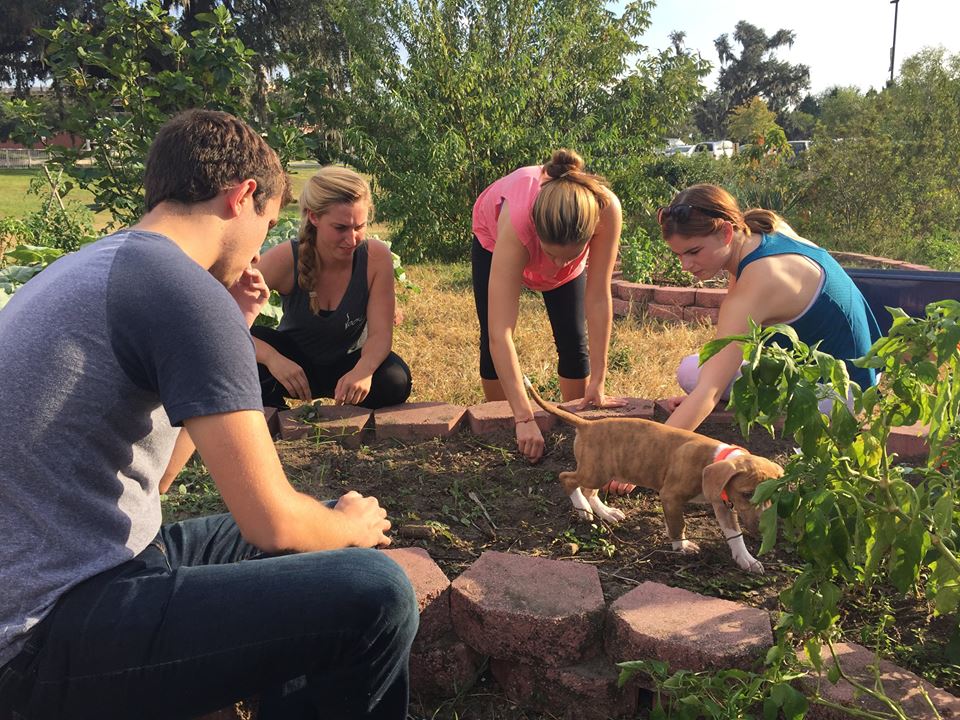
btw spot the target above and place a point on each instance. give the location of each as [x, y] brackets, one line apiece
[682, 466]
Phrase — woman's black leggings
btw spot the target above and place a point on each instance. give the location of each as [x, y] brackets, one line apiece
[565, 308]
[390, 385]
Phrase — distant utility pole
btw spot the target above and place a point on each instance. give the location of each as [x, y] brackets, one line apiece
[893, 48]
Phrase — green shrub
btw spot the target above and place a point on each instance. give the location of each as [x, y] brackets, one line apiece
[66, 229]
[646, 260]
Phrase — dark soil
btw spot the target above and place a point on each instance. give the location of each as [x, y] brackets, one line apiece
[475, 494]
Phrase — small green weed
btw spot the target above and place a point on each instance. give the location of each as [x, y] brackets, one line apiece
[192, 494]
[596, 541]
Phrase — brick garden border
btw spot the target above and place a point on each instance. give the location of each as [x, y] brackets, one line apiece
[543, 626]
[687, 304]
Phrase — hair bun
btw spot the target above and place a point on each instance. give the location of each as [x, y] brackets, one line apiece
[562, 162]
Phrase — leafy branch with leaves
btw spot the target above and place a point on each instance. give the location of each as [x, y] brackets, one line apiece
[858, 520]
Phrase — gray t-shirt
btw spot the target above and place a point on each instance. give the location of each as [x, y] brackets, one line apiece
[101, 356]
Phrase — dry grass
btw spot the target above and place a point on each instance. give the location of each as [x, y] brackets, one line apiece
[439, 335]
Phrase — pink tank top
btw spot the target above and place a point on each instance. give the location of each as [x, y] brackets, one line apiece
[519, 189]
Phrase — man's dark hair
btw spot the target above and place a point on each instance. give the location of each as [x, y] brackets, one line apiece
[198, 153]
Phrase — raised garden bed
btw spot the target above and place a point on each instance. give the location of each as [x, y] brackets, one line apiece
[884, 283]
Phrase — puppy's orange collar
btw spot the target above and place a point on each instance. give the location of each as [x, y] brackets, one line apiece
[723, 452]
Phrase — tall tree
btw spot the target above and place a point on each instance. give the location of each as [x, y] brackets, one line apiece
[468, 90]
[123, 81]
[21, 50]
[755, 71]
[751, 120]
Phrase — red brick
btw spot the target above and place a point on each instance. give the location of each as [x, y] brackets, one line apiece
[292, 427]
[635, 408]
[418, 421]
[272, 416]
[660, 408]
[621, 308]
[491, 417]
[587, 691]
[445, 668]
[347, 424]
[686, 630]
[898, 684]
[674, 296]
[514, 607]
[617, 274]
[695, 313]
[639, 293]
[433, 592]
[664, 312]
[710, 297]
[909, 443]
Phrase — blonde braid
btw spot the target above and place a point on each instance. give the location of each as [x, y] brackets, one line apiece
[308, 264]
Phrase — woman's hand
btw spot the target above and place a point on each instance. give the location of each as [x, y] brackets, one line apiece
[251, 293]
[530, 440]
[367, 516]
[290, 375]
[352, 388]
[672, 403]
[593, 395]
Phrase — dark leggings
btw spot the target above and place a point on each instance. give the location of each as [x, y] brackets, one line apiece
[390, 385]
[565, 308]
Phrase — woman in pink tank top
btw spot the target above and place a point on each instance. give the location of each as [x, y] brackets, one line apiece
[535, 228]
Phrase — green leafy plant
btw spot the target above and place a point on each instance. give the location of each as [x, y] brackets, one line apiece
[597, 541]
[27, 261]
[857, 520]
[66, 228]
[462, 92]
[645, 260]
[723, 695]
[122, 82]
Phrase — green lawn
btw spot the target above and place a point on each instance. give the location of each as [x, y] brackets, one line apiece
[16, 200]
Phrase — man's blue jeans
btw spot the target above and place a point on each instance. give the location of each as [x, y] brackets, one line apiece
[201, 619]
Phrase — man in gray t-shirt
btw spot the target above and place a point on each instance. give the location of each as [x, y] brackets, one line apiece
[117, 361]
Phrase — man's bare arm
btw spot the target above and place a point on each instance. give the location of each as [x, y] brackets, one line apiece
[240, 456]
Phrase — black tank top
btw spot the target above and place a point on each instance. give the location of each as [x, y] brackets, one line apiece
[332, 334]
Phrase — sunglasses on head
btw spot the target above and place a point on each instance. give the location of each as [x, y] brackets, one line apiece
[681, 213]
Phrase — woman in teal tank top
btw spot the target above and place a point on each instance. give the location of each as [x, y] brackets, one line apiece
[775, 276]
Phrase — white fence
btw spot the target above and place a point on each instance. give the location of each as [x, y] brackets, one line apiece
[22, 158]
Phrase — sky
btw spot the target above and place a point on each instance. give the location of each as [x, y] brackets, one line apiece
[843, 42]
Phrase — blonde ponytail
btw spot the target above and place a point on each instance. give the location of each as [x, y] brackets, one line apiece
[567, 208]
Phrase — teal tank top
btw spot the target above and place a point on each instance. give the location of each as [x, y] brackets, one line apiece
[839, 316]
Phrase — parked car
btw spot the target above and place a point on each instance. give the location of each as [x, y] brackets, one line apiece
[715, 148]
[799, 146]
[686, 150]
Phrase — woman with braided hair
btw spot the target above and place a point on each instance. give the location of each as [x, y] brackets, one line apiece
[534, 228]
[338, 304]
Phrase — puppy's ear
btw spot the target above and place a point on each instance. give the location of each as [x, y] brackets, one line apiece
[716, 477]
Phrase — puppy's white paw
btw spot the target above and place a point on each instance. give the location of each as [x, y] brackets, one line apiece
[742, 556]
[607, 513]
[616, 515]
[584, 514]
[687, 547]
[750, 564]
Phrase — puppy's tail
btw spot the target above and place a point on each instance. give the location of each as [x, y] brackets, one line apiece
[569, 417]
